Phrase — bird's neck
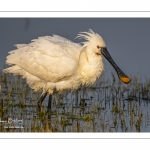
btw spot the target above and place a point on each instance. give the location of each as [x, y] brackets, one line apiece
[90, 66]
[89, 57]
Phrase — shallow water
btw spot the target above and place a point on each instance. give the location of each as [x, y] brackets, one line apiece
[107, 106]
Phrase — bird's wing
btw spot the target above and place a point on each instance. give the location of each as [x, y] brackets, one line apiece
[51, 59]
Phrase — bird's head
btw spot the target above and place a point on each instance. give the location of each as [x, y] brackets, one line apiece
[97, 45]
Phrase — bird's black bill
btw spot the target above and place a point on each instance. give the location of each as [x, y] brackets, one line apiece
[124, 78]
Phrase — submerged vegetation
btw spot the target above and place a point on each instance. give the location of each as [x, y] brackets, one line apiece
[107, 106]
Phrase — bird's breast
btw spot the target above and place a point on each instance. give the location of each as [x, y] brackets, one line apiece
[91, 71]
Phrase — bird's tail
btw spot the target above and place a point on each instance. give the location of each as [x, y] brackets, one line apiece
[16, 70]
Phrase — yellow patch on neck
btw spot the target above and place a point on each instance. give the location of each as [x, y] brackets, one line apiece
[98, 53]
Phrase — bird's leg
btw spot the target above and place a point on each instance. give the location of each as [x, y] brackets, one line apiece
[49, 102]
[41, 100]
[49, 110]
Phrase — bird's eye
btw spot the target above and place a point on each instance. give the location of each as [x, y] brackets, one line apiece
[98, 47]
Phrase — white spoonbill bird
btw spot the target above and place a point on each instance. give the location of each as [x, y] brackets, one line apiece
[54, 63]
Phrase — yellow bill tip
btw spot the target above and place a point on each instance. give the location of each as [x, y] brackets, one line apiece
[125, 79]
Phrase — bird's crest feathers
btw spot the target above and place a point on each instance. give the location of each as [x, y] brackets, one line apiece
[90, 37]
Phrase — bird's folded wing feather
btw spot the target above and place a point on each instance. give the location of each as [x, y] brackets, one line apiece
[49, 58]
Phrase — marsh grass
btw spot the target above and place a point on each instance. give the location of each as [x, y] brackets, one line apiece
[107, 106]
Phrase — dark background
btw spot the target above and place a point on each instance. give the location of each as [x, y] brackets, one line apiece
[127, 39]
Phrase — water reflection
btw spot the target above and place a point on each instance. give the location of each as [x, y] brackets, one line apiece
[104, 107]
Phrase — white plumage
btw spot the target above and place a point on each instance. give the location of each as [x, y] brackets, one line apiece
[54, 63]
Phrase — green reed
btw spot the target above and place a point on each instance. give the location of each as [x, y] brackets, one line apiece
[106, 106]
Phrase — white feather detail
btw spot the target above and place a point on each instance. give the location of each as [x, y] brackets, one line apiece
[54, 63]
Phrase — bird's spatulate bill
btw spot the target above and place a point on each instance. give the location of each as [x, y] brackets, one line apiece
[124, 78]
